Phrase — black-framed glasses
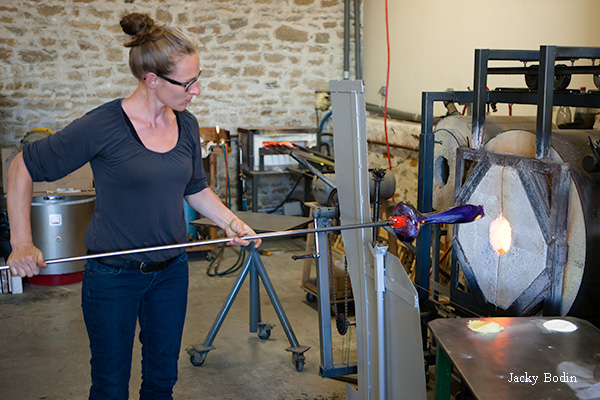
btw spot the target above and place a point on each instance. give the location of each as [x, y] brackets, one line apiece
[185, 85]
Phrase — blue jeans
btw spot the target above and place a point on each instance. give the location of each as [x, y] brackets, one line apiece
[113, 299]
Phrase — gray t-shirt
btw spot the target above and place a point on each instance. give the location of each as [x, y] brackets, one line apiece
[139, 192]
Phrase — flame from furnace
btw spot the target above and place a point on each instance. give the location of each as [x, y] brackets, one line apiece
[500, 235]
[266, 145]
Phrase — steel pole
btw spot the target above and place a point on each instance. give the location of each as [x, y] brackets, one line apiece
[212, 241]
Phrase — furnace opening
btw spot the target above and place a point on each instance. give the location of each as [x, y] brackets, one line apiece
[441, 170]
[500, 235]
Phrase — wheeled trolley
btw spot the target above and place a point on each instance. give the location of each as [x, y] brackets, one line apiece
[254, 268]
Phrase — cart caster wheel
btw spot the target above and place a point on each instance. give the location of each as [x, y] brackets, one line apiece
[197, 359]
[264, 333]
[311, 298]
[298, 361]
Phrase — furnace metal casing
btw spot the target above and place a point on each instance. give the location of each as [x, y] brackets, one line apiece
[555, 293]
[517, 282]
[531, 271]
[252, 139]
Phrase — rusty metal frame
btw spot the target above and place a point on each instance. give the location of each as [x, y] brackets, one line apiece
[550, 206]
[544, 98]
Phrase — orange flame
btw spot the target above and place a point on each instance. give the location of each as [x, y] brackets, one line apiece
[500, 235]
[266, 145]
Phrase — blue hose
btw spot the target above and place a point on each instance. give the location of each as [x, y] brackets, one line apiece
[325, 118]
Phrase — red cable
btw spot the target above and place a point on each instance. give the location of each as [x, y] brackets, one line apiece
[387, 85]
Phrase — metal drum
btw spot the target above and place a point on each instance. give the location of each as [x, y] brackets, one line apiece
[455, 131]
[58, 224]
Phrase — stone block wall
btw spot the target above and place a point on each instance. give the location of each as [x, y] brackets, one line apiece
[262, 63]
[403, 137]
[262, 60]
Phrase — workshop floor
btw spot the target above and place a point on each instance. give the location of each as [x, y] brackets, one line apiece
[45, 355]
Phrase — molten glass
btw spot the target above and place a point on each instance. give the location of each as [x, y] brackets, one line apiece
[500, 235]
[407, 220]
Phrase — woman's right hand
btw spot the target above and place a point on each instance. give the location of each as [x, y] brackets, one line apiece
[26, 260]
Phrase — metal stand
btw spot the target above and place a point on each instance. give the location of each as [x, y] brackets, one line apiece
[322, 217]
[401, 371]
[255, 268]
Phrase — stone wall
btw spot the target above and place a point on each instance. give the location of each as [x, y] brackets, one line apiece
[262, 60]
[262, 63]
[403, 137]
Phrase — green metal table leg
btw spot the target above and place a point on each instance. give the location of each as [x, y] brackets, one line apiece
[443, 374]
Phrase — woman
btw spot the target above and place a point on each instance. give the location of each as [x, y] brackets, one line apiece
[145, 154]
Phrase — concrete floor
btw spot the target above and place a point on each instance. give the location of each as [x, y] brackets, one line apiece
[45, 352]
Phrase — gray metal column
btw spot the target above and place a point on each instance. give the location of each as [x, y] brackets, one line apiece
[424, 197]
[545, 101]
[479, 97]
[254, 298]
[394, 367]
[352, 179]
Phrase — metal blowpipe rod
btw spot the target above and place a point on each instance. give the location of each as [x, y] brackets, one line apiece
[390, 221]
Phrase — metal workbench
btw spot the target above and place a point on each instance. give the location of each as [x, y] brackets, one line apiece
[523, 361]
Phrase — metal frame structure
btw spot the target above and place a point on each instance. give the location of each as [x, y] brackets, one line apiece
[550, 210]
[254, 268]
[323, 219]
[545, 98]
[246, 166]
[350, 138]
[388, 328]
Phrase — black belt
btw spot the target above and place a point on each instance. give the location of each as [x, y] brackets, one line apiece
[144, 267]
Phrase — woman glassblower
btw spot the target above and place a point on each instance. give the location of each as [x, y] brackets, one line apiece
[145, 154]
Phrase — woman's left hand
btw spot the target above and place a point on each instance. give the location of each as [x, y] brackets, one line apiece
[238, 229]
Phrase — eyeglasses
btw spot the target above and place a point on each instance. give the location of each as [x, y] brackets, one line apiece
[185, 85]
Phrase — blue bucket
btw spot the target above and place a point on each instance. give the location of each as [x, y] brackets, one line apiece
[190, 215]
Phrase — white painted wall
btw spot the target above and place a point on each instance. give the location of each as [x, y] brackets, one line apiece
[433, 42]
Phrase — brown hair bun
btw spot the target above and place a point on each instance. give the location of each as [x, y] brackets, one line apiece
[141, 27]
[154, 48]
